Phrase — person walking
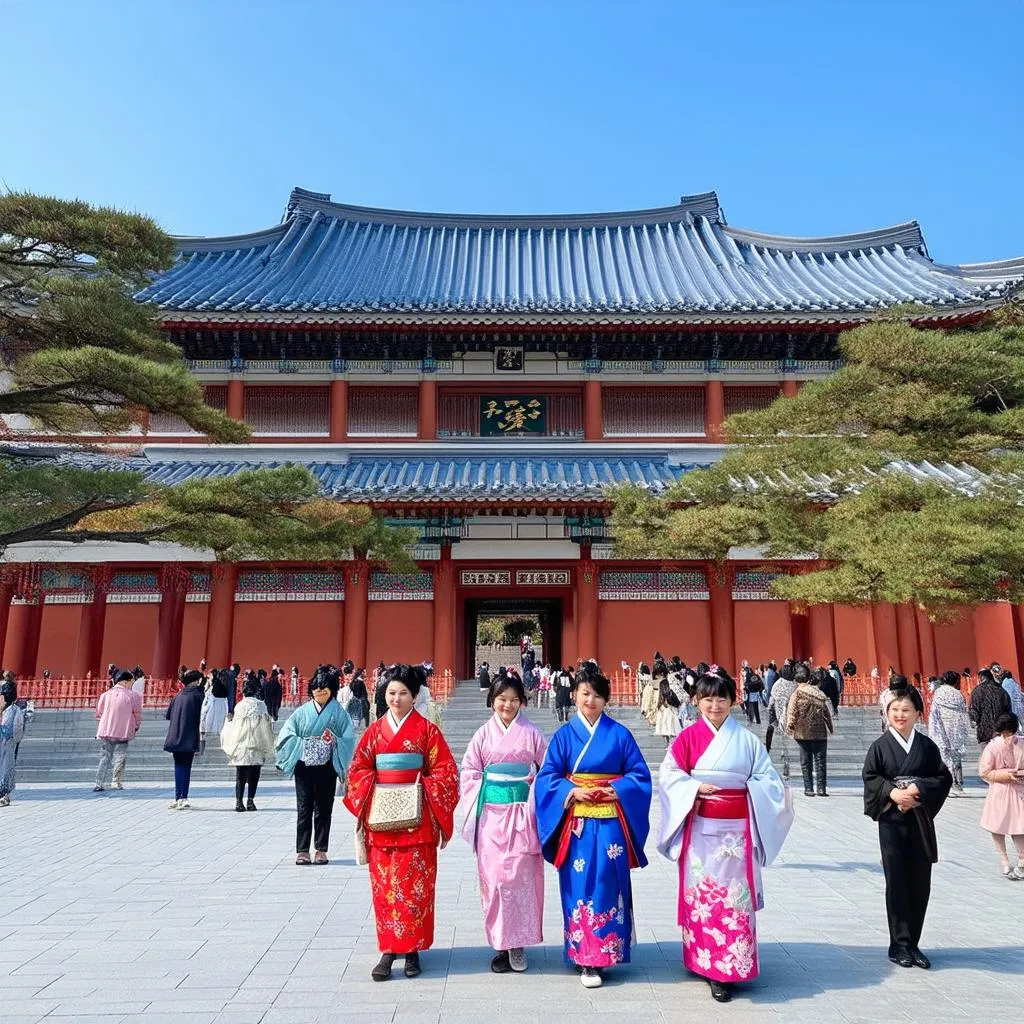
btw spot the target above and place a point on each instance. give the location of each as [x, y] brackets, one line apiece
[778, 708]
[315, 746]
[248, 740]
[119, 712]
[1013, 691]
[809, 722]
[666, 717]
[359, 703]
[273, 694]
[12, 729]
[949, 724]
[753, 688]
[563, 694]
[988, 701]
[403, 790]
[497, 817]
[1002, 767]
[182, 741]
[215, 705]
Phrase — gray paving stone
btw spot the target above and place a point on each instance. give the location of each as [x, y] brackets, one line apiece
[136, 926]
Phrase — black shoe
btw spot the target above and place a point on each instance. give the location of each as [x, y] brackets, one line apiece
[919, 959]
[240, 806]
[721, 991]
[383, 969]
[500, 964]
[250, 806]
[808, 792]
[412, 965]
[902, 958]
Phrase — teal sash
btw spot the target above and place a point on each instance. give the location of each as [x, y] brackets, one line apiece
[504, 783]
[399, 762]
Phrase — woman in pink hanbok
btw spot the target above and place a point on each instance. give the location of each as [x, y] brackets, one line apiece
[498, 819]
[725, 814]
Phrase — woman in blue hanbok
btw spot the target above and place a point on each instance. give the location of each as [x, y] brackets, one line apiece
[593, 797]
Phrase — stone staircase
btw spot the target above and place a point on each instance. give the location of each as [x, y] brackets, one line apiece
[60, 745]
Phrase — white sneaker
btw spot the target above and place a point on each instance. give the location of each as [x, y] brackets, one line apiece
[174, 805]
[591, 978]
[183, 805]
[517, 959]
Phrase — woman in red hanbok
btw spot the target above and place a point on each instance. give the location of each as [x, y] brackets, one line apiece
[397, 748]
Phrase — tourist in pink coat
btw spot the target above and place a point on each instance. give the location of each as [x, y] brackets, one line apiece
[119, 712]
[1002, 767]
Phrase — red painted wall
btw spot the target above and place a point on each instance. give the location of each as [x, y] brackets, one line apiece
[633, 630]
[58, 638]
[302, 633]
[399, 631]
[993, 636]
[193, 633]
[129, 635]
[854, 636]
[954, 644]
[762, 631]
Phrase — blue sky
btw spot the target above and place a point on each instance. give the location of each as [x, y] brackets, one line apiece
[807, 118]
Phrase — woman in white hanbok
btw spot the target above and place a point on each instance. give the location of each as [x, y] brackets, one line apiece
[725, 814]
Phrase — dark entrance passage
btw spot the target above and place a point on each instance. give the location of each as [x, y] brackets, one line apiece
[546, 611]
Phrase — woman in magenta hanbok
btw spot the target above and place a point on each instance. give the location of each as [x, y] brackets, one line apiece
[725, 814]
[497, 817]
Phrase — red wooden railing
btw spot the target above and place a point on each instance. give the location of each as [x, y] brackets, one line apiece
[84, 693]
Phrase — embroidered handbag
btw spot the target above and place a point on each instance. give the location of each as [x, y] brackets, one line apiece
[396, 806]
[315, 751]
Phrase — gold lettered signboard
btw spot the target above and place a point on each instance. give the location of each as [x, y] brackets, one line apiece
[513, 414]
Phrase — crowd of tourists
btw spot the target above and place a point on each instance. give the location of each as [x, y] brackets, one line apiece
[581, 801]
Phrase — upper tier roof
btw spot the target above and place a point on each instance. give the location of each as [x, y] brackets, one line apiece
[327, 257]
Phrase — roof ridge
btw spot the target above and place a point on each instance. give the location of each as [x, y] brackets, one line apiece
[908, 235]
[702, 204]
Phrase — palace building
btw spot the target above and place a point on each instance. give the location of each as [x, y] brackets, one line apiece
[485, 379]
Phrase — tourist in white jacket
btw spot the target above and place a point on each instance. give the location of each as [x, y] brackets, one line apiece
[248, 740]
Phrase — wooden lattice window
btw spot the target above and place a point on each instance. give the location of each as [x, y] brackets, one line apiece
[382, 412]
[458, 415]
[215, 396]
[652, 412]
[749, 398]
[288, 410]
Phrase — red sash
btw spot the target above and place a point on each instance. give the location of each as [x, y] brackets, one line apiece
[726, 803]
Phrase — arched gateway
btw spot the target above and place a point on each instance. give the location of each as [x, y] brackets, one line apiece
[485, 378]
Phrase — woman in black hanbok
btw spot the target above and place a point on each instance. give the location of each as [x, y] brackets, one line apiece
[905, 785]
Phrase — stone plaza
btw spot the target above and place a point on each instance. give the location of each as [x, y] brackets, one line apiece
[115, 909]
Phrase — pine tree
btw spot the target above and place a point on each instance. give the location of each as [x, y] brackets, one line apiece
[834, 474]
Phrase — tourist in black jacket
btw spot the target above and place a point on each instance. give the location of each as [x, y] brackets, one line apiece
[988, 701]
[272, 694]
[182, 741]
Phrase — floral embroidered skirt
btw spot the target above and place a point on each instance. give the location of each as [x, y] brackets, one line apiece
[597, 897]
[716, 905]
[402, 882]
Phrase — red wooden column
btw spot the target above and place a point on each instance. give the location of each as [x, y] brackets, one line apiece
[221, 623]
[171, 621]
[6, 596]
[89, 647]
[887, 643]
[339, 410]
[444, 612]
[593, 426]
[428, 410]
[821, 628]
[714, 410]
[357, 599]
[586, 603]
[926, 636]
[906, 634]
[569, 631]
[24, 626]
[790, 388]
[800, 631]
[236, 399]
[723, 617]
